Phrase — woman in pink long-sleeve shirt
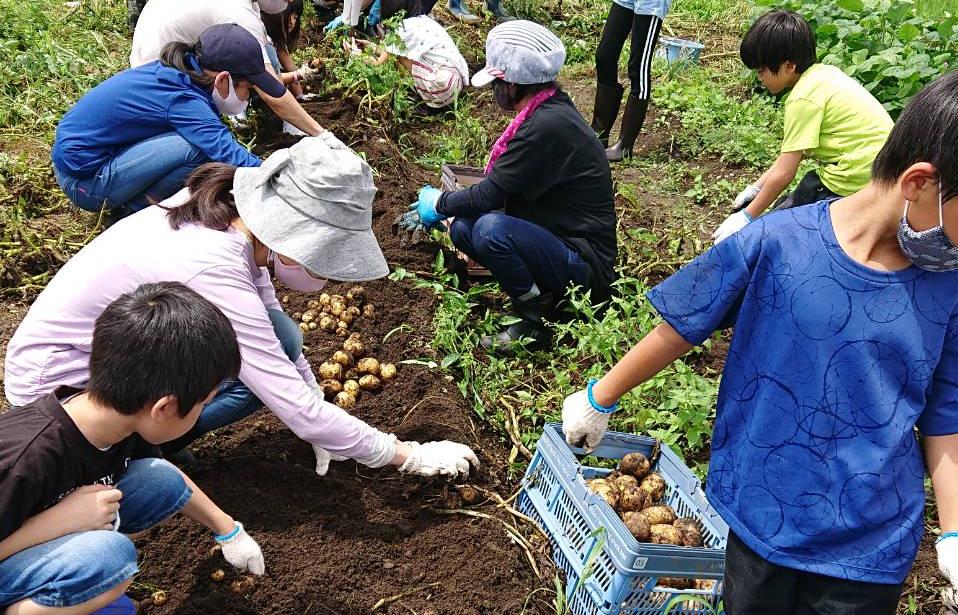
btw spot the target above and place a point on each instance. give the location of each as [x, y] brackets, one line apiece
[307, 212]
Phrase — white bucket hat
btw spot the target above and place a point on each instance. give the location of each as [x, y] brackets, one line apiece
[313, 203]
[521, 52]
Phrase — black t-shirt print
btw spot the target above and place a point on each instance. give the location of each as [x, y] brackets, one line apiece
[556, 175]
[44, 456]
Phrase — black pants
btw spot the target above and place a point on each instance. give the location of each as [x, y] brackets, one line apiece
[809, 190]
[645, 32]
[754, 586]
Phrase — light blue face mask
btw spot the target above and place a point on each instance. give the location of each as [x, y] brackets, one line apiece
[931, 250]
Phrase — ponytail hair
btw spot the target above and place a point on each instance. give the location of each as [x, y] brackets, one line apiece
[178, 55]
[210, 203]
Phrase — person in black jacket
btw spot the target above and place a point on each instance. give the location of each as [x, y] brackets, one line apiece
[543, 218]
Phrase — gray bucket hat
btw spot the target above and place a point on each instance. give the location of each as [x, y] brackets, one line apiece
[313, 203]
[521, 52]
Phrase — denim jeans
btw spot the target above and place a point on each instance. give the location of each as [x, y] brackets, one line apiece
[77, 567]
[519, 254]
[235, 401]
[157, 168]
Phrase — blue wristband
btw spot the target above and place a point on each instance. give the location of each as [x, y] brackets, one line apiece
[947, 535]
[225, 537]
[596, 405]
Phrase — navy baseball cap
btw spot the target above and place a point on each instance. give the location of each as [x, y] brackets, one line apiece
[230, 47]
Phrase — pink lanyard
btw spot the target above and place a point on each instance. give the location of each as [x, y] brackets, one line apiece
[499, 148]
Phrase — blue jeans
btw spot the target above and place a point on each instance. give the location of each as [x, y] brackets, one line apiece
[155, 168]
[235, 401]
[519, 254]
[78, 567]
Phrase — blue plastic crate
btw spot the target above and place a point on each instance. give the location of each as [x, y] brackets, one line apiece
[679, 50]
[625, 572]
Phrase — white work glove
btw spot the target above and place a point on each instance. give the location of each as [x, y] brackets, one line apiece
[733, 224]
[323, 457]
[443, 458]
[241, 551]
[307, 97]
[947, 547]
[746, 196]
[582, 423]
[307, 73]
[292, 130]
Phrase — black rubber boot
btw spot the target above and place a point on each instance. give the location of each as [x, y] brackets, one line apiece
[530, 327]
[493, 7]
[461, 12]
[632, 121]
[608, 99]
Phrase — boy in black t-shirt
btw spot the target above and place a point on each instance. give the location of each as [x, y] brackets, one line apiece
[80, 468]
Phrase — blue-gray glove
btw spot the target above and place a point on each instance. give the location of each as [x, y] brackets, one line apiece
[426, 206]
[332, 25]
[374, 13]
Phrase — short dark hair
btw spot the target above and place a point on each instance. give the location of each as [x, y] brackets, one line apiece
[926, 131]
[778, 37]
[160, 339]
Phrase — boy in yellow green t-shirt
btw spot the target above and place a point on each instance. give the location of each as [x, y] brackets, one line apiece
[829, 117]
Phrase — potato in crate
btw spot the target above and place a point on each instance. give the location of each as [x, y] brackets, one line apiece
[662, 546]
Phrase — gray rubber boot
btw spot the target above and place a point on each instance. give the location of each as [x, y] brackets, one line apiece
[460, 12]
[608, 99]
[531, 328]
[632, 120]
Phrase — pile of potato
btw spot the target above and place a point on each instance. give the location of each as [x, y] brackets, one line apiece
[335, 313]
[347, 373]
[636, 493]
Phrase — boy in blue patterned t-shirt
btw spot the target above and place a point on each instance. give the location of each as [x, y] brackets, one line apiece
[845, 341]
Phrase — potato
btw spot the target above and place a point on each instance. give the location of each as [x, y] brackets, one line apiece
[337, 299]
[330, 388]
[368, 366]
[690, 530]
[346, 317]
[355, 311]
[342, 357]
[159, 597]
[635, 464]
[342, 331]
[324, 299]
[369, 310]
[653, 485]
[304, 327]
[606, 491]
[352, 387]
[637, 526]
[297, 315]
[354, 347]
[356, 294]
[240, 586]
[387, 371]
[285, 299]
[346, 401]
[313, 304]
[632, 499]
[327, 323]
[623, 482]
[336, 309]
[313, 326]
[342, 324]
[706, 584]
[331, 371]
[370, 383]
[657, 515]
[354, 336]
[218, 575]
[309, 315]
[674, 583]
[662, 534]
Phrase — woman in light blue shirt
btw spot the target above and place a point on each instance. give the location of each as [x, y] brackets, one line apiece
[643, 18]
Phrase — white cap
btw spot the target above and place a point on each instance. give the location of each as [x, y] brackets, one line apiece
[521, 52]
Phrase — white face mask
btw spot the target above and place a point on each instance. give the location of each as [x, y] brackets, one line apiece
[232, 104]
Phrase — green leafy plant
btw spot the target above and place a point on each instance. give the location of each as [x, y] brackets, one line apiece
[887, 45]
